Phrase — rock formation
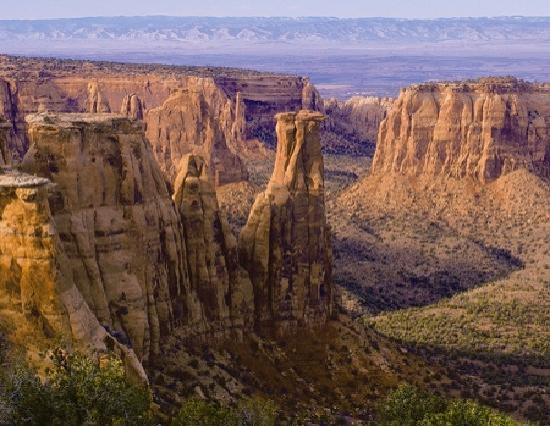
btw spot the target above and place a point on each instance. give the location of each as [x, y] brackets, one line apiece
[244, 102]
[145, 264]
[286, 243]
[196, 120]
[220, 286]
[115, 218]
[481, 129]
[132, 107]
[352, 125]
[36, 288]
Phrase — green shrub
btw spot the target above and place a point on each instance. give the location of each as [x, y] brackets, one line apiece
[408, 406]
[249, 412]
[76, 391]
[257, 411]
[195, 412]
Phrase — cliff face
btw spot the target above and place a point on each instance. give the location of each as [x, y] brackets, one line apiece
[199, 119]
[235, 105]
[37, 293]
[286, 243]
[352, 125]
[483, 130]
[144, 264]
[115, 219]
[220, 287]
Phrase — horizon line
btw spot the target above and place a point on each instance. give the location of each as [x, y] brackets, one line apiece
[279, 17]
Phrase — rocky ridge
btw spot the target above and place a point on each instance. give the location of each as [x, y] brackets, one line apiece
[238, 105]
[481, 129]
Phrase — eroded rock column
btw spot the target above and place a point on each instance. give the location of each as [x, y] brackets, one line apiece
[285, 246]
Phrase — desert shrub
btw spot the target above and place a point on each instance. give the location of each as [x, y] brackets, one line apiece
[196, 412]
[76, 391]
[252, 411]
[409, 406]
[257, 411]
[467, 413]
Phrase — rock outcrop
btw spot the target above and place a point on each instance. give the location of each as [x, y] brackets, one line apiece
[196, 120]
[115, 219]
[352, 125]
[132, 107]
[37, 293]
[482, 129]
[237, 106]
[222, 297]
[286, 243]
[144, 264]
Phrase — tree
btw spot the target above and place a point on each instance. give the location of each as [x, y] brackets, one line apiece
[77, 391]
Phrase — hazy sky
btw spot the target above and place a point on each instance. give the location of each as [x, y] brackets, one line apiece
[36, 9]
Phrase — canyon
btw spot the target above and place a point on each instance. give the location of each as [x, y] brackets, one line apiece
[214, 112]
[144, 211]
[96, 247]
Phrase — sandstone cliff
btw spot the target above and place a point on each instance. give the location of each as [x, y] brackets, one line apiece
[237, 105]
[199, 119]
[481, 129]
[146, 265]
[352, 125]
[286, 243]
[115, 219]
[37, 293]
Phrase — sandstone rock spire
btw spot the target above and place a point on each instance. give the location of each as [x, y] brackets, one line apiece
[132, 107]
[285, 245]
[220, 290]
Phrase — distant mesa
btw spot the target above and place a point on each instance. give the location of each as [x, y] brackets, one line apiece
[481, 129]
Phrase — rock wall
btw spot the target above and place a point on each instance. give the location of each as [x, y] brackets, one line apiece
[482, 129]
[200, 120]
[37, 294]
[147, 266]
[352, 125]
[244, 101]
[116, 221]
[285, 245]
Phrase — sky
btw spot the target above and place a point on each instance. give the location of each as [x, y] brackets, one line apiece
[40, 9]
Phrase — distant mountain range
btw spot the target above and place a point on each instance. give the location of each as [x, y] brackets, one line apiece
[308, 30]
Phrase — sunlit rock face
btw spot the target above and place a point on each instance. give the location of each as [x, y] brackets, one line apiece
[483, 130]
[38, 297]
[115, 219]
[220, 114]
[285, 246]
[199, 119]
[221, 298]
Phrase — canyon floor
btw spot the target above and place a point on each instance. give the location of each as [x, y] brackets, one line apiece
[451, 287]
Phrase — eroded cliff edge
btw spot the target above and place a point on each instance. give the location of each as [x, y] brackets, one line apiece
[483, 130]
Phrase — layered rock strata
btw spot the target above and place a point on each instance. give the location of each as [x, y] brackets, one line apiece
[199, 119]
[145, 264]
[36, 287]
[285, 245]
[115, 219]
[482, 129]
[221, 286]
[236, 105]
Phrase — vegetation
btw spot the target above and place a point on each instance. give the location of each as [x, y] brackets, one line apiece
[76, 391]
[250, 412]
[409, 406]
